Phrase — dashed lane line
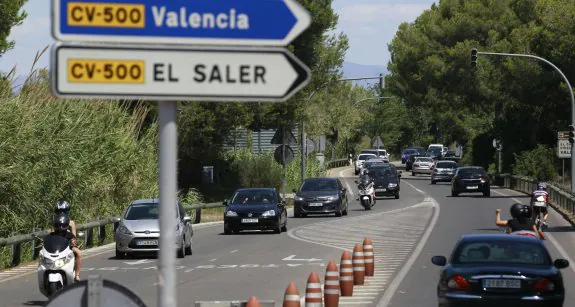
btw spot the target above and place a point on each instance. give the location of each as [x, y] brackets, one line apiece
[394, 235]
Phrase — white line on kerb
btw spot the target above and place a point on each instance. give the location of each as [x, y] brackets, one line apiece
[346, 183]
[390, 291]
[548, 235]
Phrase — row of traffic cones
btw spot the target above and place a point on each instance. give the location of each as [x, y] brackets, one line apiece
[352, 271]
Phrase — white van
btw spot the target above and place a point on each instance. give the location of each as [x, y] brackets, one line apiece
[440, 146]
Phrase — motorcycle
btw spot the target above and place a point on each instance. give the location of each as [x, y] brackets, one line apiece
[366, 194]
[56, 265]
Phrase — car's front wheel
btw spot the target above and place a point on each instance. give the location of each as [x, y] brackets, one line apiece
[454, 194]
[120, 255]
[181, 250]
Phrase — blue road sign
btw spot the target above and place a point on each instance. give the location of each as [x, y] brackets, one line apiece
[213, 22]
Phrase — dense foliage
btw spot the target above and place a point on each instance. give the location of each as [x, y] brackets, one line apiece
[523, 102]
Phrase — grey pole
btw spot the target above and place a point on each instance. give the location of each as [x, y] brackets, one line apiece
[570, 90]
[167, 295]
[303, 136]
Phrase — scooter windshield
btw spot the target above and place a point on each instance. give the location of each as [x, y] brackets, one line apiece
[55, 244]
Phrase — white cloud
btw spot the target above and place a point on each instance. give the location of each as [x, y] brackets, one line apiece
[368, 13]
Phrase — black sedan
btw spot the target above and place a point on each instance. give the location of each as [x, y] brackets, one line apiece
[470, 179]
[386, 181]
[255, 209]
[500, 270]
[320, 196]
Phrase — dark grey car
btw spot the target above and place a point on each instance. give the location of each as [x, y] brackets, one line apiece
[320, 196]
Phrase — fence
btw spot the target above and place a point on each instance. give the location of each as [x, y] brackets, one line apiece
[17, 241]
[561, 200]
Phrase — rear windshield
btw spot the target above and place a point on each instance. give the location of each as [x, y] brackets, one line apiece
[446, 165]
[502, 252]
[423, 159]
[364, 157]
[381, 172]
[471, 171]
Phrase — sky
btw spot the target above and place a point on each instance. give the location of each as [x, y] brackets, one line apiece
[369, 24]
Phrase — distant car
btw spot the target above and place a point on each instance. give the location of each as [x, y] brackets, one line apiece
[422, 165]
[405, 154]
[443, 171]
[450, 153]
[386, 181]
[321, 196]
[435, 153]
[500, 270]
[361, 159]
[255, 209]
[139, 229]
[470, 179]
[411, 160]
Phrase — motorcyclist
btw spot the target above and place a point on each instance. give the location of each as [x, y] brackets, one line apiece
[541, 191]
[61, 227]
[364, 180]
[520, 222]
[64, 207]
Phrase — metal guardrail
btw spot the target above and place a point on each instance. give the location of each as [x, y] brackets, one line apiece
[101, 223]
[561, 200]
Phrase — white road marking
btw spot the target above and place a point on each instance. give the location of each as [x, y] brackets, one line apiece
[212, 260]
[234, 251]
[401, 275]
[547, 235]
[345, 181]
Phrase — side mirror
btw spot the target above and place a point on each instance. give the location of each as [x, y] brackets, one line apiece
[561, 263]
[225, 202]
[294, 190]
[81, 234]
[439, 260]
[187, 219]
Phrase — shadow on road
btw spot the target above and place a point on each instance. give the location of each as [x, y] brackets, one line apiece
[560, 229]
[416, 178]
[35, 303]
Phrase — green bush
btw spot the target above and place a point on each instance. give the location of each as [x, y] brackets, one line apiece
[261, 170]
[93, 153]
[538, 163]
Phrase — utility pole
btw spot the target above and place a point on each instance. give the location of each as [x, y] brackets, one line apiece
[474, 53]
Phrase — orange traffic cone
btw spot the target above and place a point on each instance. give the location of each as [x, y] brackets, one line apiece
[313, 291]
[291, 296]
[358, 265]
[331, 286]
[369, 257]
[346, 275]
[253, 302]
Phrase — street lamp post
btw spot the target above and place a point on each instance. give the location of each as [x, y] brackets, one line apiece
[303, 152]
[519, 55]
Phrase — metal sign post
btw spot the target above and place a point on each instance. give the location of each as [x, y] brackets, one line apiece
[149, 70]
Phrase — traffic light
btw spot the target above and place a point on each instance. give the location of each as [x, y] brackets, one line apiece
[474, 57]
[571, 134]
[381, 82]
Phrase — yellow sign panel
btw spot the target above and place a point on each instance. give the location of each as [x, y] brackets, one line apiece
[106, 71]
[106, 15]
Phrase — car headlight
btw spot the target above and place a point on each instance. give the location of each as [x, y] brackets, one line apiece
[123, 230]
[298, 198]
[392, 185]
[231, 213]
[269, 213]
[330, 198]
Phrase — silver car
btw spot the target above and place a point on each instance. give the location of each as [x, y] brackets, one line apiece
[422, 165]
[139, 230]
[443, 171]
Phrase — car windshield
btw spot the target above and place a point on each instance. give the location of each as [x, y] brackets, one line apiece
[253, 197]
[148, 211]
[446, 165]
[319, 185]
[434, 150]
[423, 160]
[471, 171]
[501, 252]
[382, 152]
[409, 151]
[365, 156]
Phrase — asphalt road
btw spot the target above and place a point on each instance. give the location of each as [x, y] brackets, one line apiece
[235, 267]
[472, 213]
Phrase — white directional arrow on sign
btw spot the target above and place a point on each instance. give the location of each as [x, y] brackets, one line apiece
[142, 261]
[291, 258]
[159, 73]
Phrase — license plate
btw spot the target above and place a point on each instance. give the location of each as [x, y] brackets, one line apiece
[365, 197]
[249, 220]
[380, 190]
[315, 204]
[502, 283]
[539, 204]
[472, 187]
[148, 242]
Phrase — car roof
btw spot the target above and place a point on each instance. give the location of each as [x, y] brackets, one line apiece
[467, 238]
[447, 161]
[321, 179]
[471, 167]
[146, 201]
[255, 189]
